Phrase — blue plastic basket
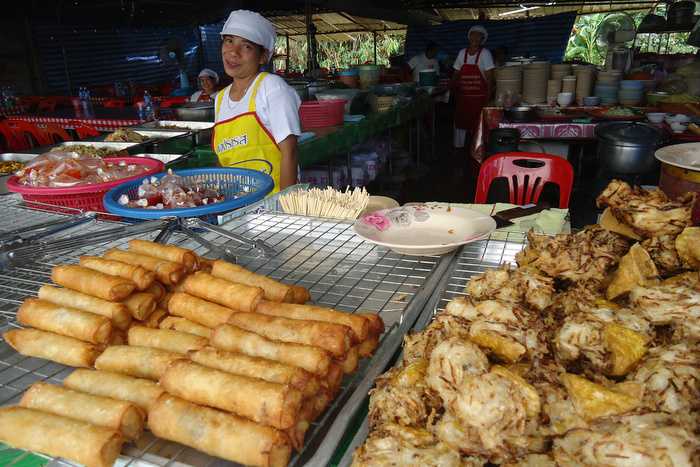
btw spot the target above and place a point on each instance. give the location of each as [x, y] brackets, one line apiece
[227, 181]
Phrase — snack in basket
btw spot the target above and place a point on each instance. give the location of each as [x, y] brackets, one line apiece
[125, 135]
[117, 312]
[235, 296]
[141, 392]
[172, 341]
[117, 415]
[54, 435]
[263, 402]
[54, 347]
[197, 310]
[172, 253]
[69, 322]
[9, 167]
[274, 291]
[172, 192]
[138, 275]
[68, 169]
[139, 362]
[218, 433]
[167, 272]
[92, 282]
[176, 323]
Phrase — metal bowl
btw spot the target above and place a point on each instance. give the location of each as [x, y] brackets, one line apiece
[521, 114]
[197, 112]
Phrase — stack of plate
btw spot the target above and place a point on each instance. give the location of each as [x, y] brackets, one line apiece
[560, 70]
[568, 84]
[553, 90]
[607, 93]
[584, 82]
[509, 81]
[509, 72]
[535, 76]
[631, 92]
[609, 78]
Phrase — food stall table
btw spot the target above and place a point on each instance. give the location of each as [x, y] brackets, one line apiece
[102, 119]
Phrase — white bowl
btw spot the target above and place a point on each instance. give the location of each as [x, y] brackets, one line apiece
[656, 117]
[679, 127]
[680, 118]
[565, 98]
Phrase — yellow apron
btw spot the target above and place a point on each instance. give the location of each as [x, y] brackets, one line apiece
[243, 141]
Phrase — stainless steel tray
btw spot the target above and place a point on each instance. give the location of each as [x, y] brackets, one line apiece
[164, 158]
[472, 259]
[340, 270]
[181, 124]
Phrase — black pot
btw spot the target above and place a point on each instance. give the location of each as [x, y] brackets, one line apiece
[627, 147]
[520, 114]
[503, 140]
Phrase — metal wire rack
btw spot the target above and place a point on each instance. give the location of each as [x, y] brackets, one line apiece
[339, 269]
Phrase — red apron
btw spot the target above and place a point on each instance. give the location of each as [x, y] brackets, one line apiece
[472, 94]
[204, 97]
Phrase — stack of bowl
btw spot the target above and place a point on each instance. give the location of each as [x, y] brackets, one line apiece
[584, 82]
[631, 92]
[568, 84]
[560, 70]
[509, 80]
[606, 87]
[553, 89]
[535, 77]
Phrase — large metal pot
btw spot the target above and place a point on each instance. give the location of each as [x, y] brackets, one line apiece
[523, 114]
[196, 112]
[627, 147]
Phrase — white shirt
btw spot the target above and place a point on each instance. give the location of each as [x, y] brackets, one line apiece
[421, 62]
[195, 97]
[485, 60]
[277, 105]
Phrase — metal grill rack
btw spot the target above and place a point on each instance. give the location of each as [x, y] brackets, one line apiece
[339, 269]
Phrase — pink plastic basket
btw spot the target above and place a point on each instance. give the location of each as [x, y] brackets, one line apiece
[319, 114]
[86, 197]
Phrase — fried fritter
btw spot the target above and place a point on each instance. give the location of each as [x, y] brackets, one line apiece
[677, 305]
[522, 285]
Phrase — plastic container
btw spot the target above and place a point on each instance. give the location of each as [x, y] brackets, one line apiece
[350, 78]
[226, 180]
[334, 94]
[86, 197]
[368, 74]
[320, 114]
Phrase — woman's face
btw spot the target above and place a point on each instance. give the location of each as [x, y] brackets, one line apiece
[475, 39]
[242, 58]
[207, 83]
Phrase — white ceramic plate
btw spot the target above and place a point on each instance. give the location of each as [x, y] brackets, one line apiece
[424, 229]
[685, 156]
[375, 203]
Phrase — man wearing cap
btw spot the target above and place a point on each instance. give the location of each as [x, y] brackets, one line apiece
[208, 79]
[473, 82]
[257, 116]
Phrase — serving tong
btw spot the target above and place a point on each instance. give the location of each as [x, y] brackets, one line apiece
[16, 237]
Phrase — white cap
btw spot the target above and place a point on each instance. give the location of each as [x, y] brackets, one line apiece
[251, 26]
[210, 73]
[482, 30]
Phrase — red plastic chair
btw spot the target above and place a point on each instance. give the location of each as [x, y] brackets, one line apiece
[29, 132]
[56, 132]
[12, 141]
[526, 173]
[47, 104]
[114, 103]
[84, 131]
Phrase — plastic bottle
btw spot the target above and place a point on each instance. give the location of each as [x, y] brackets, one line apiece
[148, 106]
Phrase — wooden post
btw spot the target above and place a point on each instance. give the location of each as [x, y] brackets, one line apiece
[374, 35]
[286, 61]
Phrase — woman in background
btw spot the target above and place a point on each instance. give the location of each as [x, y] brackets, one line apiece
[208, 81]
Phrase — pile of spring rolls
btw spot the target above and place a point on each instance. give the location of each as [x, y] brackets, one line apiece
[201, 352]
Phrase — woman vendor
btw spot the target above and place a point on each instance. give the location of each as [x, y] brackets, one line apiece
[208, 80]
[257, 116]
[473, 82]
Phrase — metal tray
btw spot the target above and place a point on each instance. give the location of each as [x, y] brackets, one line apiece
[167, 159]
[181, 124]
[339, 269]
[472, 259]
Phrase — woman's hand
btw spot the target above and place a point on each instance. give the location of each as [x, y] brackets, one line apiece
[289, 165]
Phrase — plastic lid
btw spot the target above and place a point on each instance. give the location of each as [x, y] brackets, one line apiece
[628, 133]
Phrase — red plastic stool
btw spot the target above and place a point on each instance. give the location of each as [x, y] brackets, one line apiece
[34, 135]
[84, 131]
[526, 173]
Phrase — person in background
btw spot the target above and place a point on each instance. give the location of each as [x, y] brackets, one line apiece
[208, 80]
[473, 83]
[257, 115]
[425, 61]
[500, 55]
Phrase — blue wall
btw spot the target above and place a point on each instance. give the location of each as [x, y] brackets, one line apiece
[546, 37]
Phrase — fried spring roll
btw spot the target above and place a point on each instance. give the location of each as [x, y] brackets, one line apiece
[66, 321]
[321, 400]
[218, 433]
[235, 296]
[136, 274]
[118, 337]
[141, 392]
[368, 346]
[56, 436]
[165, 339]
[300, 295]
[206, 264]
[140, 362]
[176, 323]
[172, 253]
[376, 324]
[273, 290]
[155, 319]
[157, 290]
[267, 403]
[117, 312]
[95, 283]
[334, 338]
[164, 302]
[351, 360]
[200, 311]
[333, 379]
[140, 305]
[121, 416]
[298, 431]
[358, 324]
[166, 272]
[253, 367]
[50, 346]
[234, 339]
